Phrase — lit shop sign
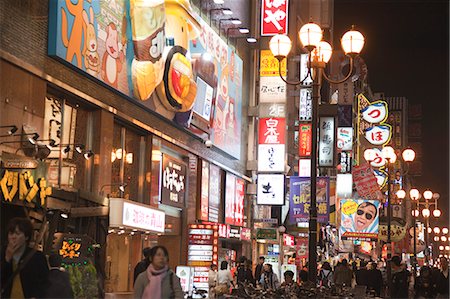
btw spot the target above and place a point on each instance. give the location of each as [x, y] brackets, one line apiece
[304, 142]
[246, 234]
[173, 181]
[305, 111]
[359, 219]
[24, 185]
[270, 189]
[234, 200]
[344, 139]
[123, 212]
[326, 141]
[235, 233]
[224, 231]
[266, 234]
[288, 240]
[271, 147]
[202, 251]
[274, 17]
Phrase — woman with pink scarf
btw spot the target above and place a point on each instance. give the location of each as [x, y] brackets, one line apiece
[158, 281]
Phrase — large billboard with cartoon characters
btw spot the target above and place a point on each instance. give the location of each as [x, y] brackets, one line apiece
[159, 54]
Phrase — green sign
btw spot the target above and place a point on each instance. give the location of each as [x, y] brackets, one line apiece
[266, 234]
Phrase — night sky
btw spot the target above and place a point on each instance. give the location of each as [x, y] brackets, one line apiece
[407, 54]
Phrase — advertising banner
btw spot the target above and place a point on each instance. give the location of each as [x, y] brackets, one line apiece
[366, 182]
[214, 193]
[230, 194]
[359, 219]
[300, 199]
[239, 202]
[274, 17]
[204, 194]
[344, 139]
[305, 136]
[271, 147]
[141, 49]
[173, 181]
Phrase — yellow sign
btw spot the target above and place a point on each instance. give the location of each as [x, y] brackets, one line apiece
[269, 65]
[349, 207]
[70, 250]
[23, 183]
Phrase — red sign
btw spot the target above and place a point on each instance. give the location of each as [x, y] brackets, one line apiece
[366, 182]
[274, 17]
[204, 198]
[224, 231]
[239, 203]
[301, 251]
[304, 140]
[272, 130]
[288, 240]
[230, 194]
[246, 234]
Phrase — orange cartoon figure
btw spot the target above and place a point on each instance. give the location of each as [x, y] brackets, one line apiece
[73, 42]
[113, 58]
[91, 57]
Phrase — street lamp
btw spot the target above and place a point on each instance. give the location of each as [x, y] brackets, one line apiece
[320, 53]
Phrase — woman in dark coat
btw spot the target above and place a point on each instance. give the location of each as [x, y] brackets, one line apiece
[24, 271]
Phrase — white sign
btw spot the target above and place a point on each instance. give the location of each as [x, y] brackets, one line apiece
[326, 141]
[305, 109]
[270, 189]
[202, 258]
[123, 212]
[344, 185]
[199, 252]
[272, 110]
[200, 247]
[201, 231]
[304, 61]
[272, 90]
[186, 276]
[346, 92]
[271, 157]
[304, 167]
[345, 139]
[375, 112]
[378, 135]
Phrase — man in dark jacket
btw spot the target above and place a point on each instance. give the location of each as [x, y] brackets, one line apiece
[58, 285]
[142, 265]
[24, 270]
[399, 278]
[375, 279]
[362, 274]
[259, 269]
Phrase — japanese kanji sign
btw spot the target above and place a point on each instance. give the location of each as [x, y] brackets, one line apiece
[274, 17]
[272, 130]
[305, 110]
[304, 143]
[270, 189]
[300, 199]
[72, 248]
[344, 139]
[272, 89]
[173, 181]
[365, 182]
[271, 148]
[269, 65]
[326, 141]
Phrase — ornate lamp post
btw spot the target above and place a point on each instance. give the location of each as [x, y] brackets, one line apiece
[320, 53]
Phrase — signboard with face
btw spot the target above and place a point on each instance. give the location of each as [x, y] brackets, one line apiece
[359, 219]
[173, 181]
[270, 189]
[274, 17]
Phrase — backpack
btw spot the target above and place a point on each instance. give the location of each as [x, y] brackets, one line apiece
[324, 279]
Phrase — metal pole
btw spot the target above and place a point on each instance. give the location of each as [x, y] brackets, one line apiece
[427, 221]
[415, 241]
[389, 248]
[312, 246]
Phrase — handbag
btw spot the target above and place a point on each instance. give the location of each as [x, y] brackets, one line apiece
[221, 289]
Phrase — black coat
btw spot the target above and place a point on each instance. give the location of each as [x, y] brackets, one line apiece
[245, 275]
[258, 272]
[375, 281]
[33, 276]
[58, 285]
[140, 267]
[362, 277]
[442, 283]
[400, 284]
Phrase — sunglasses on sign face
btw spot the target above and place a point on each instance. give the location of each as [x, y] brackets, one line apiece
[368, 215]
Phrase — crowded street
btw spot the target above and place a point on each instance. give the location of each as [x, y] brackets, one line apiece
[224, 149]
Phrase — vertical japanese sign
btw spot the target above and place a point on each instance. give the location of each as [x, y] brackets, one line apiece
[300, 199]
[305, 135]
[326, 141]
[214, 193]
[344, 139]
[230, 194]
[270, 189]
[274, 17]
[305, 110]
[272, 89]
[239, 202]
[271, 148]
[173, 181]
[204, 194]
[301, 251]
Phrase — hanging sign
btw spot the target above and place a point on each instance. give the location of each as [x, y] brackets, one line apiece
[204, 194]
[305, 111]
[344, 139]
[214, 193]
[365, 182]
[270, 189]
[326, 141]
[173, 181]
[305, 136]
[271, 148]
[359, 219]
[274, 17]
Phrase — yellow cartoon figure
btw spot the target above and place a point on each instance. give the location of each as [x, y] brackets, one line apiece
[178, 90]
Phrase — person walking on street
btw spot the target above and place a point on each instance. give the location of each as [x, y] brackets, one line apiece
[269, 280]
[142, 265]
[375, 279]
[442, 279]
[289, 286]
[24, 271]
[158, 281]
[259, 269]
[361, 274]
[326, 275]
[424, 287]
[244, 273]
[399, 279]
[212, 280]
[224, 280]
[58, 285]
[343, 274]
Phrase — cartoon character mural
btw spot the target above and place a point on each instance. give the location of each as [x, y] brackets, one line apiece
[91, 57]
[147, 21]
[178, 90]
[73, 41]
